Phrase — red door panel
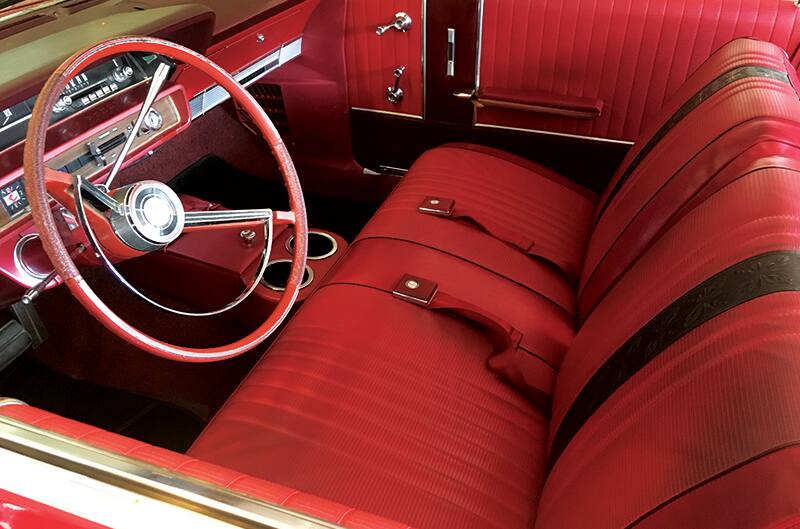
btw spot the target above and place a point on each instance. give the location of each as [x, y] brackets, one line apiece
[371, 59]
[620, 57]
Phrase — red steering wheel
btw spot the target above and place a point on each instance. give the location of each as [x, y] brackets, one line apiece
[126, 227]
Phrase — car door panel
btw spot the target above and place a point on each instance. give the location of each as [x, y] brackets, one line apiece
[372, 59]
[627, 55]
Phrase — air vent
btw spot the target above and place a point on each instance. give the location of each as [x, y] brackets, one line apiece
[270, 98]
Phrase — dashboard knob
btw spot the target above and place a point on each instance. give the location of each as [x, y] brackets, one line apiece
[121, 74]
[152, 121]
[62, 104]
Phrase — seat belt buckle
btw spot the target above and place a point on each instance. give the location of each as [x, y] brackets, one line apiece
[441, 207]
[415, 290]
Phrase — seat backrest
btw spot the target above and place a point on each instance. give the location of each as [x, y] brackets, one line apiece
[677, 405]
[736, 110]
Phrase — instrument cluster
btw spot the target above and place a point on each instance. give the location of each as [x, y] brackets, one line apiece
[84, 90]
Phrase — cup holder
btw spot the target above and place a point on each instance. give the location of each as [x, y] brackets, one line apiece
[276, 276]
[320, 245]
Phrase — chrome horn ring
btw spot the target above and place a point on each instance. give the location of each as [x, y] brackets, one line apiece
[148, 225]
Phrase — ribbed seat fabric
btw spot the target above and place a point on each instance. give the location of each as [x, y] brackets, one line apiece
[667, 314]
[413, 413]
[524, 199]
[710, 185]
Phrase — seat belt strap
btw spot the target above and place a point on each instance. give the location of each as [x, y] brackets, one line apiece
[511, 359]
[446, 207]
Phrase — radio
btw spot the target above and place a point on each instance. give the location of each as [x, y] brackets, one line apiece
[103, 148]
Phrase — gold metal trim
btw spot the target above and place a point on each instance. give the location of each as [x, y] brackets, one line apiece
[161, 484]
[387, 112]
[559, 134]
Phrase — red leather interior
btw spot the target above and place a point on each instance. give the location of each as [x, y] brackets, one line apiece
[715, 400]
[372, 59]
[328, 382]
[398, 411]
[529, 200]
[372, 400]
[632, 55]
[272, 492]
[754, 121]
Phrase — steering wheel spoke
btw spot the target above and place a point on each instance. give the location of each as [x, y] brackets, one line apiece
[100, 197]
[223, 219]
[284, 218]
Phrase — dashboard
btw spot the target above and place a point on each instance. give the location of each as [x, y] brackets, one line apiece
[85, 90]
[92, 118]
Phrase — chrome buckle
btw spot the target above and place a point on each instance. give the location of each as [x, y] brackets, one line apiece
[442, 207]
[415, 290]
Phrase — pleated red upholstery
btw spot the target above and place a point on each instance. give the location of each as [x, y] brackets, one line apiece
[737, 127]
[631, 54]
[393, 408]
[525, 198]
[720, 397]
[542, 318]
[225, 477]
[728, 501]
[372, 398]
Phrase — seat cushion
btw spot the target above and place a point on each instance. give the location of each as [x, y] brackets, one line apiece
[378, 402]
[717, 390]
[525, 199]
[273, 493]
[543, 319]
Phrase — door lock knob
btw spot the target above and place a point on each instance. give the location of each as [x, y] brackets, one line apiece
[395, 94]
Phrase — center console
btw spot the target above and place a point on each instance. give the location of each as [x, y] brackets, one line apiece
[207, 270]
[324, 251]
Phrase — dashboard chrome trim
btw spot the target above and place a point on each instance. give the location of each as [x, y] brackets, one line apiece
[103, 472]
[216, 95]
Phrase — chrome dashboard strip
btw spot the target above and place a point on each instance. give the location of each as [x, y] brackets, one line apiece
[216, 95]
[99, 473]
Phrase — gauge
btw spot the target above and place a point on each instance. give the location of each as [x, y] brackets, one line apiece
[13, 198]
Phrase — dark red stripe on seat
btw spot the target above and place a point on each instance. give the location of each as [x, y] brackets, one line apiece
[764, 274]
[728, 78]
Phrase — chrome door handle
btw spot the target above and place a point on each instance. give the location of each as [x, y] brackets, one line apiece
[395, 94]
[402, 23]
[451, 53]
